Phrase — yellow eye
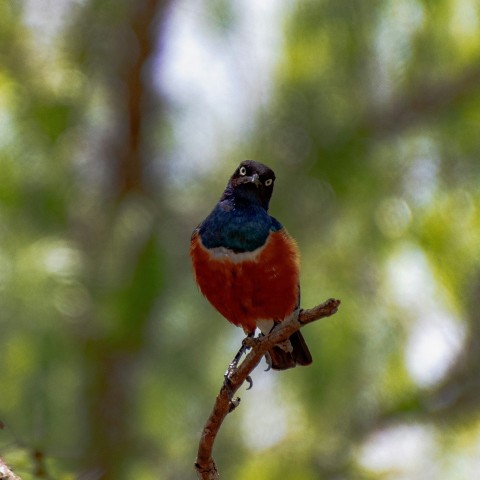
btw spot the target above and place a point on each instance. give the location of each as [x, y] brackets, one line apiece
[242, 171]
[268, 182]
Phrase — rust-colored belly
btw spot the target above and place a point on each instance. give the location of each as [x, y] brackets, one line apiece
[259, 285]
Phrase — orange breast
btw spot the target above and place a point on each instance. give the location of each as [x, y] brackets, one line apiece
[245, 287]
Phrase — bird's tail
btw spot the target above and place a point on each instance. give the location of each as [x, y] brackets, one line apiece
[293, 352]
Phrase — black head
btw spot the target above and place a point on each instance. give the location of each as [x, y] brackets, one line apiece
[252, 182]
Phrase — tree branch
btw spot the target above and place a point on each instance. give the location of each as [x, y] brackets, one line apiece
[6, 473]
[225, 402]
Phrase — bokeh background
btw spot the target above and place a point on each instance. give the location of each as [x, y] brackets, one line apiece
[120, 123]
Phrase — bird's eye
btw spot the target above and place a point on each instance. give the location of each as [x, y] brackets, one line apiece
[268, 182]
[242, 171]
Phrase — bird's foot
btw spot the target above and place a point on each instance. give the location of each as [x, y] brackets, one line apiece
[234, 403]
[232, 368]
[247, 343]
[268, 358]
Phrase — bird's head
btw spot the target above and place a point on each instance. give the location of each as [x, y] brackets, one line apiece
[252, 182]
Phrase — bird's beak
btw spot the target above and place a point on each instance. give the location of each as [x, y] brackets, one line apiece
[249, 179]
[255, 179]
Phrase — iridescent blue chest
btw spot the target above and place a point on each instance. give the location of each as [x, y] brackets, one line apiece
[241, 228]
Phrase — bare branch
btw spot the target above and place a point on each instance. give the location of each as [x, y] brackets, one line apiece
[6, 473]
[225, 402]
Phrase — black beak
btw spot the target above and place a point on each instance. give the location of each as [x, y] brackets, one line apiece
[255, 179]
[249, 179]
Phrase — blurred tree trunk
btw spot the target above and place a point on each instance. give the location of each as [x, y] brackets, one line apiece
[125, 264]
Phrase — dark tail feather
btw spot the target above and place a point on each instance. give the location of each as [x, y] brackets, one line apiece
[300, 355]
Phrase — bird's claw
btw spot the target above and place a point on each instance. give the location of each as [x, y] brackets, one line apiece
[232, 368]
[268, 359]
[234, 403]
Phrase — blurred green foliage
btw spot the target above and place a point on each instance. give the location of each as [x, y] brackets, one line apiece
[111, 359]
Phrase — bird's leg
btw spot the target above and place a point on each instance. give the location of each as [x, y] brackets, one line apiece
[268, 358]
[232, 367]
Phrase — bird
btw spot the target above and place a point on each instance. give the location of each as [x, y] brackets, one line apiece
[247, 265]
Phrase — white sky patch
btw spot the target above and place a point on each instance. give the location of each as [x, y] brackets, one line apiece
[54, 257]
[422, 159]
[406, 452]
[434, 342]
[217, 80]
[45, 18]
[436, 336]
[393, 40]
[265, 417]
